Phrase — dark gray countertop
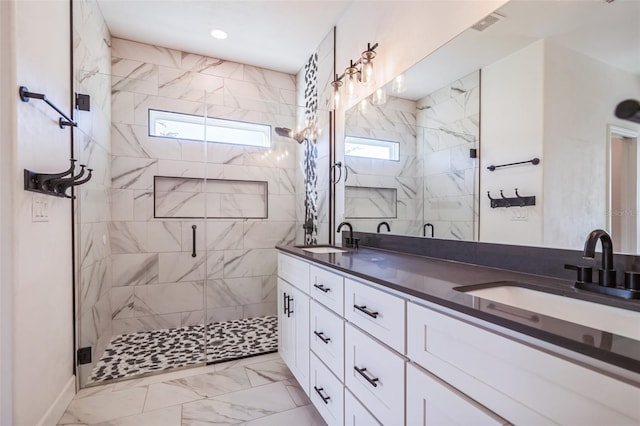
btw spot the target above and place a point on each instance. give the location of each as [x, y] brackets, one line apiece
[434, 280]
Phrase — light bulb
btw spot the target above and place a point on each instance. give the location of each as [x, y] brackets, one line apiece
[336, 84]
[399, 84]
[363, 106]
[351, 74]
[366, 72]
[379, 97]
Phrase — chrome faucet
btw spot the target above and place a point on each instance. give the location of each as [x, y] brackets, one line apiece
[607, 274]
[350, 241]
[381, 224]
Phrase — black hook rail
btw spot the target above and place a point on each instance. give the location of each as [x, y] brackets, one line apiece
[516, 201]
[63, 121]
[534, 161]
[56, 184]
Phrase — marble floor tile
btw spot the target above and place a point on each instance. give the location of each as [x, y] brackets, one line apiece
[238, 407]
[296, 392]
[104, 406]
[268, 372]
[196, 387]
[170, 416]
[301, 416]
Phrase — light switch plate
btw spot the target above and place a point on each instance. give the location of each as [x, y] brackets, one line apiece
[40, 209]
[519, 214]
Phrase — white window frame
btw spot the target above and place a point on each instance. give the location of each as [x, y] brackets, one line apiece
[393, 148]
[215, 130]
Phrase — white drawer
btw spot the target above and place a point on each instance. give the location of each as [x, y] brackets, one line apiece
[355, 414]
[327, 288]
[433, 402]
[375, 375]
[326, 392]
[294, 271]
[520, 383]
[378, 313]
[327, 338]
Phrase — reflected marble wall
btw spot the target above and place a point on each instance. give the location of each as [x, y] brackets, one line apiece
[92, 63]
[393, 121]
[156, 281]
[449, 123]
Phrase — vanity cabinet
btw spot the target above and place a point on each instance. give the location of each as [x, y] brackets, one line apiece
[293, 317]
[383, 357]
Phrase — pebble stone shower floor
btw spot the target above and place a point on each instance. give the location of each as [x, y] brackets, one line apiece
[129, 355]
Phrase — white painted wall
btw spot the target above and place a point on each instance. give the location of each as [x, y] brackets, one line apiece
[511, 130]
[42, 279]
[580, 97]
[7, 116]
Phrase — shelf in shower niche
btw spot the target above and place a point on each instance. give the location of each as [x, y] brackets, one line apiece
[198, 198]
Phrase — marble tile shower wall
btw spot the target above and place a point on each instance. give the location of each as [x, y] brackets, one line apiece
[449, 119]
[156, 282]
[393, 121]
[92, 63]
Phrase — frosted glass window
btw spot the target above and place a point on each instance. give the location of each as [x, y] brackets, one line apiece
[371, 148]
[195, 127]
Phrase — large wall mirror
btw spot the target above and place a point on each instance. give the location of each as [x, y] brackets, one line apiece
[534, 80]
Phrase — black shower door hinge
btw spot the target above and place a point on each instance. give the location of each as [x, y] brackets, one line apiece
[83, 102]
[83, 355]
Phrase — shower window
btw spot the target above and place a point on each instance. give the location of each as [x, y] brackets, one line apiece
[192, 127]
[371, 148]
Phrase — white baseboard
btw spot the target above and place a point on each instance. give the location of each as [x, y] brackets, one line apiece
[59, 406]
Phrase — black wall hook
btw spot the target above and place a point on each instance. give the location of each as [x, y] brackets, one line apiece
[56, 184]
[517, 201]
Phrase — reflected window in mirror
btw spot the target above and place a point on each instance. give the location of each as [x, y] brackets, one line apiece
[371, 148]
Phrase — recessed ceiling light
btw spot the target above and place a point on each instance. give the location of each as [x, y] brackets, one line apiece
[218, 34]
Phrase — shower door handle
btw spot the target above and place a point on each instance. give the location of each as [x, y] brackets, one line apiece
[193, 236]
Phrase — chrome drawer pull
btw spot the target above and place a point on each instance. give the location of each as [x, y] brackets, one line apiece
[319, 392]
[322, 288]
[363, 308]
[321, 336]
[371, 381]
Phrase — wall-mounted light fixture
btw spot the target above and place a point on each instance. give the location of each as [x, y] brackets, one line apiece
[359, 72]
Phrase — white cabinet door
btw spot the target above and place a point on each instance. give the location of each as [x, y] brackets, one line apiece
[378, 313]
[355, 414]
[431, 402]
[298, 311]
[326, 392]
[327, 338]
[285, 329]
[375, 375]
[294, 271]
[327, 288]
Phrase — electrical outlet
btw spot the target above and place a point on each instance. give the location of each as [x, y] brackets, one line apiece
[40, 209]
[519, 214]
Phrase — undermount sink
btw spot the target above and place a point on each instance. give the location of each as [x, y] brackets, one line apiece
[602, 317]
[322, 249]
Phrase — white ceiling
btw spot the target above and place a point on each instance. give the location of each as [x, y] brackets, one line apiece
[273, 34]
[609, 32]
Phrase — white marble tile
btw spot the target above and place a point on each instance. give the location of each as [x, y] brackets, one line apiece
[121, 302]
[224, 314]
[268, 234]
[259, 310]
[164, 236]
[128, 237]
[169, 416]
[147, 53]
[134, 269]
[191, 318]
[95, 281]
[249, 263]
[306, 415]
[268, 372]
[269, 78]
[142, 103]
[133, 85]
[105, 406]
[212, 66]
[168, 298]
[133, 173]
[297, 393]
[176, 267]
[178, 204]
[121, 205]
[142, 205]
[282, 207]
[269, 288]
[215, 264]
[148, 323]
[122, 107]
[193, 388]
[183, 84]
[134, 69]
[224, 235]
[237, 407]
[229, 292]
